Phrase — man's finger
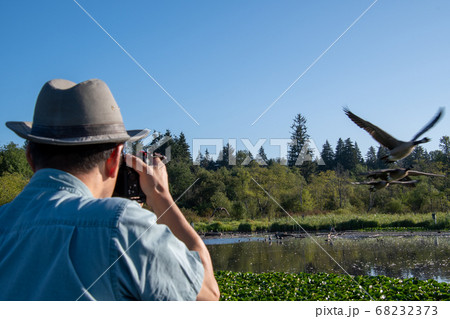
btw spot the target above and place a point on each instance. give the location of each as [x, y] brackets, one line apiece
[136, 163]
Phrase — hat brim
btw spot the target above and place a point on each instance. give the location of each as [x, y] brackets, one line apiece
[23, 129]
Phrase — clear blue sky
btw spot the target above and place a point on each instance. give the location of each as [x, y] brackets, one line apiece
[225, 62]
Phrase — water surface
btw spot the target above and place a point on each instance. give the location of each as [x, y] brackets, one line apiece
[409, 255]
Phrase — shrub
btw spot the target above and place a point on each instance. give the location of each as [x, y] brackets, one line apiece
[282, 227]
[191, 215]
[217, 226]
[395, 206]
[356, 224]
[11, 186]
[245, 227]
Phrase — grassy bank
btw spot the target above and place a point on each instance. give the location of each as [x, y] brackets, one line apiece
[322, 286]
[323, 222]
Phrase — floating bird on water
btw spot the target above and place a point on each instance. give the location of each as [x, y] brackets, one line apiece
[394, 174]
[376, 185]
[397, 149]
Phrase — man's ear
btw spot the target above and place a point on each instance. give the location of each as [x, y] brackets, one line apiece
[113, 162]
[30, 159]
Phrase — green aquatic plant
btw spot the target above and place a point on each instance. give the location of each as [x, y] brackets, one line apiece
[323, 286]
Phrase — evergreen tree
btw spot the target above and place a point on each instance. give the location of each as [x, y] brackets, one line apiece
[299, 137]
[339, 153]
[359, 158]
[418, 159]
[349, 155]
[371, 158]
[206, 161]
[381, 152]
[180, 149]
[243, 157]
[308, 169]
[420, 154]
[161, 144]
[199, 159]
[444, 145]
[261, 158]
[227, 157]
[327, 155]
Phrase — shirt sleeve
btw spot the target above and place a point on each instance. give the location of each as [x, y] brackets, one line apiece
[152, 264]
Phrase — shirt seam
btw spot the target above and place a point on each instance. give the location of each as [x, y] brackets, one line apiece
[47, 223]
[56, 186]
[114, 254]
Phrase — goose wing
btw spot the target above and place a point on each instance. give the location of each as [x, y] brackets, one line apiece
[364, 183]
[377, 133]
[417, 173]
[382, 173]
[430, 124]
[370, 183]
[405, 182]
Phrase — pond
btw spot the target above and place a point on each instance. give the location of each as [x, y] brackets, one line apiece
[420, 255]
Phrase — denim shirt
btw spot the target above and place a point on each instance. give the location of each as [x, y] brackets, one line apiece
[58, 242]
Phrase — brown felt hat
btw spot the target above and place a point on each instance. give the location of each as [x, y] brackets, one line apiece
[67, 113]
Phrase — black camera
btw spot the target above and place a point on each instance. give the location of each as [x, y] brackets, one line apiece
[127, 184]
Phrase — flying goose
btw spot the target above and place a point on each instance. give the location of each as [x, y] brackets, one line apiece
[397, 149]
[394, 174]
[376, 185]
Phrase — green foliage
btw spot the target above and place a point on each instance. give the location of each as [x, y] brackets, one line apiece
[245, 227]
[11, 186]
[238, 210]
[395, 206]
[307, 203]
[283, 227]
[220, 200]
[180, 178]
[13, 160]
[268, 192]
[356, 223]
[218, 226]
[325, 287]
[14, 172]
[343, 220]
[254, 191]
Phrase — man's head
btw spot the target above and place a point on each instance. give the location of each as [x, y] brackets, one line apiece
[97, 165]
[76, 128]
[79, 159]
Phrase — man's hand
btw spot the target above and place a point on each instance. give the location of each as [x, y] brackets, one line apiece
[154, 181]
[155, 184]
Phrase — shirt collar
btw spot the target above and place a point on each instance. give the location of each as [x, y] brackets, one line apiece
[60, 179]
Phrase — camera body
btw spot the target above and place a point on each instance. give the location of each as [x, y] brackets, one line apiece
[127, 184]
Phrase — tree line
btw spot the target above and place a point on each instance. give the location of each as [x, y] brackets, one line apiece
[255, 186]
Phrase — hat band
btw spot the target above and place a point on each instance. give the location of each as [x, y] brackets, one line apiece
[74, 131]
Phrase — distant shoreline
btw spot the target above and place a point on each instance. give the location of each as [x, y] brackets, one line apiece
[342, 234]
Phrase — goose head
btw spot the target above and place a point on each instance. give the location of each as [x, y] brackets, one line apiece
[422, 141]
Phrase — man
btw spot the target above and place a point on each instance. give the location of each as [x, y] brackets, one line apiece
[64, 238]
